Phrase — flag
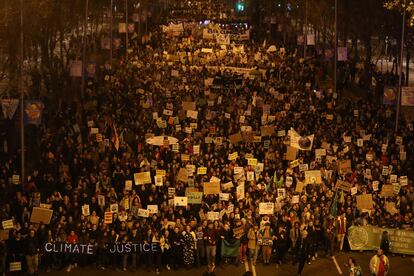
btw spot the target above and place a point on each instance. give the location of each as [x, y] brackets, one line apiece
[274, 177]
[9, 107]
[334, 206]
[115, 138]
[230, 249]
[33, 111]
[300, 142]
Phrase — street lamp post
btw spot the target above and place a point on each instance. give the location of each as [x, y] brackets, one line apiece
[85, 25]
[126, 31]
[111, 14]
[22, 143]
[306, 29]
[397, 116]
[336, 48]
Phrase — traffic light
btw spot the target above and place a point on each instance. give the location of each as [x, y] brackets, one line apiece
[240, 6]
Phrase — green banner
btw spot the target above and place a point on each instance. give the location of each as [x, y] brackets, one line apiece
[230, 249]
[369, 238]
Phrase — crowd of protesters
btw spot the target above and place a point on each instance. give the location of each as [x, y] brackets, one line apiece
[128, 105]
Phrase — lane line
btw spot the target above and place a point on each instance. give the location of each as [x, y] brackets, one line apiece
[254, 270]
[337, 266]
[246, 265]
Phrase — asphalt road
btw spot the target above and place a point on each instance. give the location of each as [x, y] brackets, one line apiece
[321, 267]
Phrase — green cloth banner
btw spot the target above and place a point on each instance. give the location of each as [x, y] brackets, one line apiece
[230, 249]
[369, 238]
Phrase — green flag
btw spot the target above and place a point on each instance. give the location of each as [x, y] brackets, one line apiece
[334, 206]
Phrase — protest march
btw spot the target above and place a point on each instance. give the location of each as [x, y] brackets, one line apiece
[207, 148]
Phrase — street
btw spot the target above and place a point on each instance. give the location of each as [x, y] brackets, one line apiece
[322, 267]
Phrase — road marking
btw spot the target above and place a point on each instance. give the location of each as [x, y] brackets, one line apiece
[254, 270]
[337, 266]
[246, 265]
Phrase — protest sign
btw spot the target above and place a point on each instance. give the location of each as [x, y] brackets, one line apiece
[281, 192]
[387, 191]
[235, 138]
[114, 208]
[343, 185]
[252, 161]
[7, 224]
[143, 213]
[85, 210]
[194, 197]
[345, 166]
[227, 186]
[233, 156]
[152, 209]
[201, 170]
[41, 215]
[16, 179]
[101, 200]
[189, 106]
[211, 188]
[354, 190]
[365, 202]
[291, 153]
[313, 177]
[299, 187]
[180, 201]
[213, 215]
[158, 180]
[224, 196]
[240, 193]
[238, 232]
[15, 266]
[182, 175]
[266, 208]
[108, 217]
[128, 185]
[142, 178]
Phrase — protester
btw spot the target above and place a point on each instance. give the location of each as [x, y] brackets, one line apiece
[379, 264]
[354, 268]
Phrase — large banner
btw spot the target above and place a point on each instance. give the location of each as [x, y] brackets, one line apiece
[33, 110]
[9, 107]
[369, 238]
[174, 29]
[407, 96]
[300, 142]
[390, 95]
[214, 32]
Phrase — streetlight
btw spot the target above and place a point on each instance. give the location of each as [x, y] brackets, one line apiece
[111, 36]
[306, 29]
[23, 173]
[85, 25]
[127, 29]
[336, 48]
[397, 117]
